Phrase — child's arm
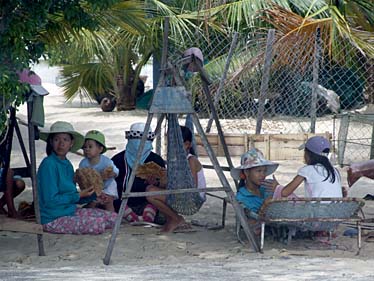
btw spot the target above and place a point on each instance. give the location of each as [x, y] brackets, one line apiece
[195, 167]
[291, 187]
[111, 170]
[115, 169]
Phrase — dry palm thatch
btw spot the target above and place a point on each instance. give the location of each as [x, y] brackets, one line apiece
[295, 37]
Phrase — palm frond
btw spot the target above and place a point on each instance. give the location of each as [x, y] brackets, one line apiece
[89, 79]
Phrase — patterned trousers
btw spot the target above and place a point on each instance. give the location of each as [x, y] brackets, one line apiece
[84, 221]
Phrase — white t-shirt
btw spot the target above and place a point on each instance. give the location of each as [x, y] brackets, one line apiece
[316, 185]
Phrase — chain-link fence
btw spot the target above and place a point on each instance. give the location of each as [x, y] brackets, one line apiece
[292, 86]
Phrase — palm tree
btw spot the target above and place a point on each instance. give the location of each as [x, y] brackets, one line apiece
[109, 61]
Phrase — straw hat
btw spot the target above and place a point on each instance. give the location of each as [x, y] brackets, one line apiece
[64, 127]
[253, 158]
[96, 136]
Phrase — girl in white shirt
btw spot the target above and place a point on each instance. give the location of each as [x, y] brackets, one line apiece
[320, 178]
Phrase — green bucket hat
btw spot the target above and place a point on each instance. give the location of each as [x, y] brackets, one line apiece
[96, 136]
[64, 127]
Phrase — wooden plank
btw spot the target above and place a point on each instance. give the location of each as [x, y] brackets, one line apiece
[267, 147]
[8, 224]
[274, 146]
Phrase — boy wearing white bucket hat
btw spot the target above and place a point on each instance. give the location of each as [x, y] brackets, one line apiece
[252, 173]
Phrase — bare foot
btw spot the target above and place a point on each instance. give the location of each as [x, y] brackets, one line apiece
[172, 224]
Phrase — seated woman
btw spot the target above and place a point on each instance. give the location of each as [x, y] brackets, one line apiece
[12, 186]
[58, 194]
[124, 161]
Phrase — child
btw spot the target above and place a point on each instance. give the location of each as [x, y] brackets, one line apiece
[320, 178]
[12, 186]
[195, 165]
[252, 172]
[173, 220]
[94, 147]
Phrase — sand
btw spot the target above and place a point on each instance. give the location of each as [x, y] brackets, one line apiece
[143, 253]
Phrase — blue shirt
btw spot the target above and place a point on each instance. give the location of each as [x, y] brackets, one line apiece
[250, 200]
[57, 191]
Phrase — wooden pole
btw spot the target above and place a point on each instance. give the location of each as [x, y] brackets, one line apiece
[238, 209]
[31, 129]
[161, 81]
[125, 197]
[265, 80]
[313, 106]
[342, 137]
[223, 78]
[205, 81]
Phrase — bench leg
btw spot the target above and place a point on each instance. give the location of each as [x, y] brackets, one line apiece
[262, 237]
[358, 238]
[224, 208]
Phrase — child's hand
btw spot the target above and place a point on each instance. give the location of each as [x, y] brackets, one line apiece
[108, 173]
[270, 184]
[152, 180]
[344, 191]
[87, 192]
[104, 198]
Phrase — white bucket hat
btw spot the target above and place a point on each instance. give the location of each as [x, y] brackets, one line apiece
[64, 127]
[253, 158]
[136, 132]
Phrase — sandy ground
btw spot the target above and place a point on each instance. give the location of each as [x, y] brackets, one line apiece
[143, 253]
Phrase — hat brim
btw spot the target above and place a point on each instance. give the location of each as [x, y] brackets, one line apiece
[78, 138]
[104, 146]
[302, 147]
[138, 135]
[271, 167]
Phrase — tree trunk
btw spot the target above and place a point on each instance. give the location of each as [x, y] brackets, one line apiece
[125, 100]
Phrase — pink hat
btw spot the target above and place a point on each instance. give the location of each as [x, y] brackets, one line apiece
[29, 77]
[26, 76]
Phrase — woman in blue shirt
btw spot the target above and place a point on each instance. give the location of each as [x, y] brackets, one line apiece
[58, 194]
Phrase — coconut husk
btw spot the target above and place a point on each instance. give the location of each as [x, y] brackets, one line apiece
[87, 178]
[152, 169]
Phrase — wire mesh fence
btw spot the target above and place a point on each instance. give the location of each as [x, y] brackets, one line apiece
[306, 88]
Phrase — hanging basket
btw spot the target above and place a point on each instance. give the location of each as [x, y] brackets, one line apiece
[179, 172]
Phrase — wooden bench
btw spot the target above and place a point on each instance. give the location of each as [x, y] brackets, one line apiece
[315, 214]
